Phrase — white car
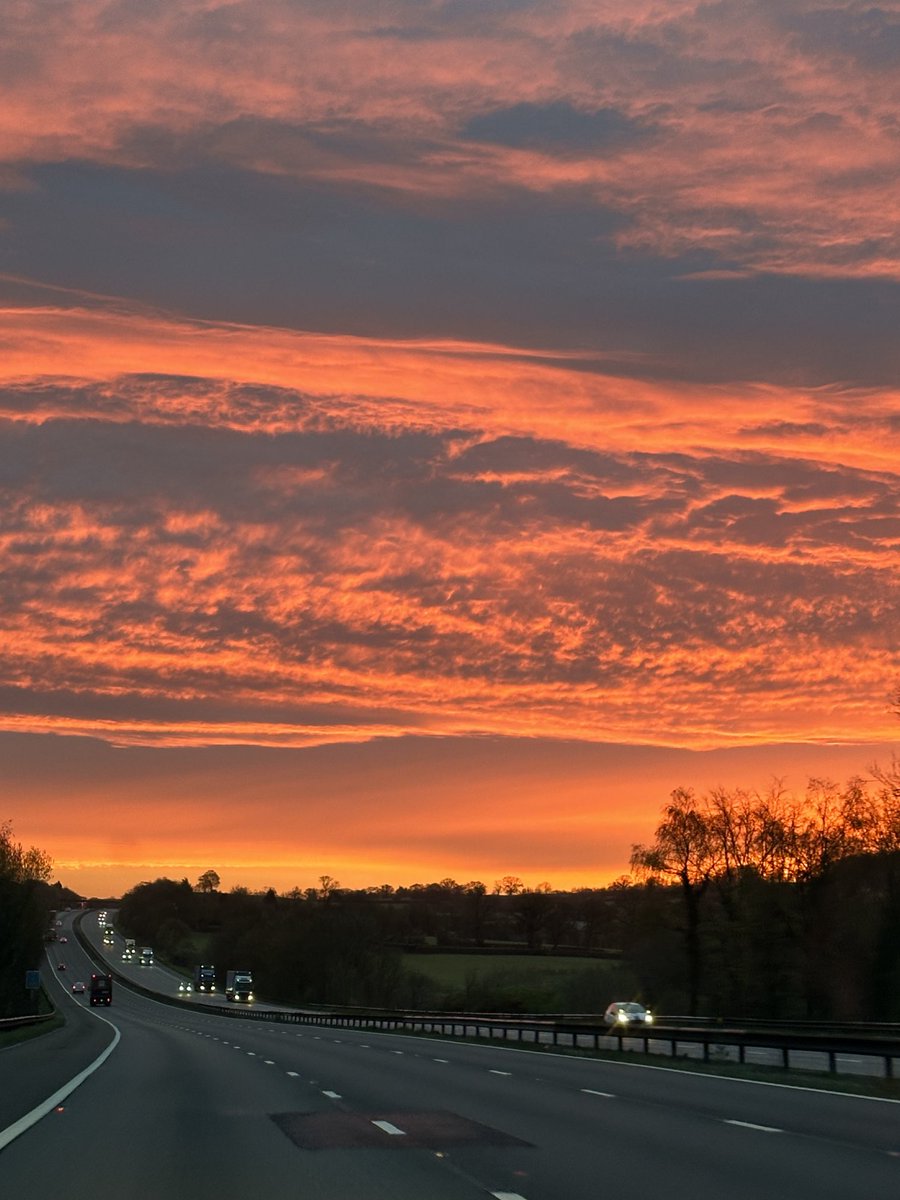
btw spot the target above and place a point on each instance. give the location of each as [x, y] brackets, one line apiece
[627, 1012]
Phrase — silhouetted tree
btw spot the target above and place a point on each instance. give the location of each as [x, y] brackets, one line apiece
[684, 850]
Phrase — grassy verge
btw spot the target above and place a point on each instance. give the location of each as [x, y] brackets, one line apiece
[12, 1037]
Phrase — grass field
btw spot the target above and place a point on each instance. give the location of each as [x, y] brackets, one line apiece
[536, 983]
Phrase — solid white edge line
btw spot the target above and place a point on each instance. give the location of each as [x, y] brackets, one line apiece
[750, 1125]
[11, 1132]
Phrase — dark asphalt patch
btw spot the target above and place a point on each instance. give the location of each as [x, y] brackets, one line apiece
[421, 1131]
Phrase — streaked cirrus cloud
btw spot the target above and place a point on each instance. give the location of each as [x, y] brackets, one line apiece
[745, 136]
[463, 539]
[379, 378]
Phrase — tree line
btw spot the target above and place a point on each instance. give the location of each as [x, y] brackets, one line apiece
[26, 901]
[772, 905]
[744, 903]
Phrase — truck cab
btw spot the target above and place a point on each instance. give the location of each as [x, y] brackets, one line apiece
[239, 986]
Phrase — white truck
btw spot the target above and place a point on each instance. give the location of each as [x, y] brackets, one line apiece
[239, 986]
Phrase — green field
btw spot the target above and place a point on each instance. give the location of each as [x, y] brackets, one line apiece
[522, 982]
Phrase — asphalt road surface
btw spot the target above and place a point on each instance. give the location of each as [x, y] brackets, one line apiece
[192, 1103]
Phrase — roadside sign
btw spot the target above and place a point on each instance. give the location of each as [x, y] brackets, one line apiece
[32, 980]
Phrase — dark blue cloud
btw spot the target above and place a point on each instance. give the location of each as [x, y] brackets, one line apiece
[871, 36]
[514, 267]
[556, 128]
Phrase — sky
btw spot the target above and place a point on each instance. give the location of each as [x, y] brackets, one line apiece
[431, 431]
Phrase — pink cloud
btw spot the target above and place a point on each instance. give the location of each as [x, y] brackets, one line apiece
[773, 140]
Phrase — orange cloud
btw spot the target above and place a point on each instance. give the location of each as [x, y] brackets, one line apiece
[224, 534]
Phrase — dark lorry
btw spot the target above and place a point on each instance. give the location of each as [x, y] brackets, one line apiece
[204, 978]
[101, 989]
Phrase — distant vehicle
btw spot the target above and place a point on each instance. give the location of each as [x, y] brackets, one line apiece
[129, 951]
[146, 959]
[108, 938]
[627, 1012]
[63, 938]
[239, 986]
[60, 966]
[204, 978]
[185, 987]
[78, 989]
[101, 989]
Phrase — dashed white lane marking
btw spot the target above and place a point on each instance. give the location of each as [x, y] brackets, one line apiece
[294, 1074]
[251, 1054]
[332, 1095]
[750, 1125]
[396, 1052]
[268, 1062]
[493, 1072]
[387, 1127]
[507, 1196]
[591, 1092]
[443, 1060]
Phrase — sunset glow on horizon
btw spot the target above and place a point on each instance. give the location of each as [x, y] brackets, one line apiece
[487, 412]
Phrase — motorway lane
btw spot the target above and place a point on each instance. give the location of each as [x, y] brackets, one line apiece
[633, 1130]
[589, 1128]
[185, 1103]
[31, 1071]
[158, 977]
[174, 1112]
[552, 1102]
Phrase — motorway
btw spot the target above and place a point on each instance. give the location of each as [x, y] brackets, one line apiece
[191, 1102]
